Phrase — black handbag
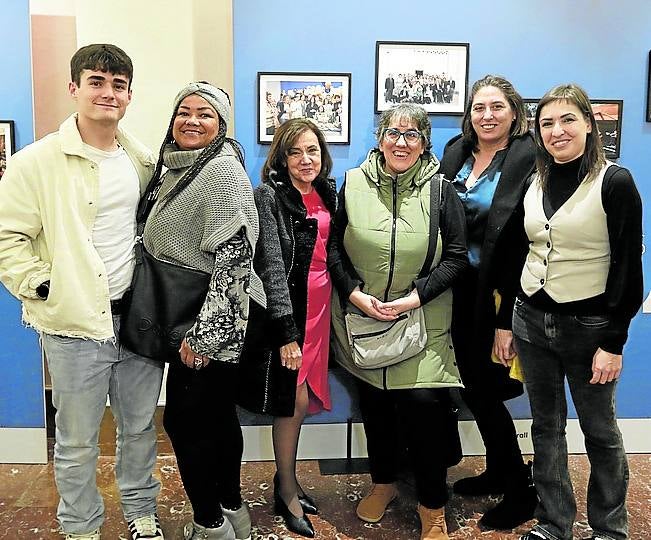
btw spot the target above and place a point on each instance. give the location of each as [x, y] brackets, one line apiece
[163, 300]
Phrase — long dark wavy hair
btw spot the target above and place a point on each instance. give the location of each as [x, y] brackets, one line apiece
[518, 126]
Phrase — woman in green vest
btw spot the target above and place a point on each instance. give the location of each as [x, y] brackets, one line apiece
[380, 242]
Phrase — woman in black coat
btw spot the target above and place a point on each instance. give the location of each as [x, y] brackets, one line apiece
[285, 358]
[488, 164]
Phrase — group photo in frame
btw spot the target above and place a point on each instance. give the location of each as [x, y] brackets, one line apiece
[608, 114]
[7, 143]
[324, 98]
[433, 75]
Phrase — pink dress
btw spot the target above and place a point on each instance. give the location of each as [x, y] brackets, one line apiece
[314, 368]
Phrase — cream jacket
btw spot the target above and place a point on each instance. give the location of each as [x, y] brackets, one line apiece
[48, 203]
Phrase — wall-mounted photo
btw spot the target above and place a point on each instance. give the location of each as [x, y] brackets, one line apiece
[433, 75]
[7, 143]
[607, 112]
[324, 98]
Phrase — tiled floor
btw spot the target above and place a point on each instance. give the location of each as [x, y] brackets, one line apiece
[28, 499]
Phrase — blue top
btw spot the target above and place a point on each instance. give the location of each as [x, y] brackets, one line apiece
[477, 200]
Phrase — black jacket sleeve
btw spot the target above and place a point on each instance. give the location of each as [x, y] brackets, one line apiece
[512, 252]
[270, 266]
[624, 287]
[454, 257]
[342, 272]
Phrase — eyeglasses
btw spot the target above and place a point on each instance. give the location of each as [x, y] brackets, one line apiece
[411, 136]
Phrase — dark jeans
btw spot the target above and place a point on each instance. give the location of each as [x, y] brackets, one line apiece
[553, 347]
[411, 419]
[201, 421]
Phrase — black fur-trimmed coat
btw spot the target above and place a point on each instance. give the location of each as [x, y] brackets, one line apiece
[282, 260]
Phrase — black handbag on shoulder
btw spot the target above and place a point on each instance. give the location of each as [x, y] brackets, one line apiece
[163, 300]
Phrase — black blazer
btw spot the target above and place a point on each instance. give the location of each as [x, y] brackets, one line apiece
[502, 256]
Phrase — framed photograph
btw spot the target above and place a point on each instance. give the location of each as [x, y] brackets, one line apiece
[607, 112]
[530, 106]
[434, 75]
[324, 98]
[648, 91]
[7, 143]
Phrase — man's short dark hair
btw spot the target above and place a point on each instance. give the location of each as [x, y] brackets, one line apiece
[101, 57]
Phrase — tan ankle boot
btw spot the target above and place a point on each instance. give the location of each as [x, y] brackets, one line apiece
[433, 525]
[372, 507]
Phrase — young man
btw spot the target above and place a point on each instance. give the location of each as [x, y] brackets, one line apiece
[67, 228]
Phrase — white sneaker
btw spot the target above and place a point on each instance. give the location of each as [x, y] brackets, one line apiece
[94, 535]
[145, 527]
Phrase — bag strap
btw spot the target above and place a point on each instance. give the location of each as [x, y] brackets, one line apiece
[435, 195]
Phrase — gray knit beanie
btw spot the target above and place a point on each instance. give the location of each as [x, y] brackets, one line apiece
[217, 98]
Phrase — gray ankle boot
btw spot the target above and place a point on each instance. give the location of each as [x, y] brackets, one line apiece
[194, 531]
[241, 521]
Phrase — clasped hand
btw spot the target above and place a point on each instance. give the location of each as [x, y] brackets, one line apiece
[384, 311]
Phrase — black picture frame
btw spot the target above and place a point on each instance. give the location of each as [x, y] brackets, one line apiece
[7, 143]
[433, 75]
[608, 114]
[648, 90]
[324, 98]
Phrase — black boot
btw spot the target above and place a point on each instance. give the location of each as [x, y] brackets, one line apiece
[518, 504]
[485, 483]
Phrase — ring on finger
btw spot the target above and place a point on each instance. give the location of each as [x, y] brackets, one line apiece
[198, 362]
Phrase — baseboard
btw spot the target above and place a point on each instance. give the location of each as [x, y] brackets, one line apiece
[23, 445]
[328, 441]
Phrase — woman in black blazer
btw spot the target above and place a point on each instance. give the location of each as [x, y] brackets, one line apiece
[488, 164]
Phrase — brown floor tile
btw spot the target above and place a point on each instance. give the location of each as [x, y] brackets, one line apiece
[28, 503]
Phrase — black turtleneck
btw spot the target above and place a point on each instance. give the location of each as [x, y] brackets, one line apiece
[623, 206]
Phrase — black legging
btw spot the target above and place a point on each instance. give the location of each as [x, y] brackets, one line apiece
[201, 421]
[413, 419]
[503, 455]
[482, 377]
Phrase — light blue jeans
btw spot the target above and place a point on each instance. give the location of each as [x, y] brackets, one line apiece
[83, 373]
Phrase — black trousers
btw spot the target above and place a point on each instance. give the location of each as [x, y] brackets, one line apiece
[201, 421]
[503, 455]
[487, 384]
[411, 420]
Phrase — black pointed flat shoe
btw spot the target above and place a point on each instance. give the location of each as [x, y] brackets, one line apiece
[299, 525]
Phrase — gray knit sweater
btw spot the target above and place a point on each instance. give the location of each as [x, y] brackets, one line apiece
[212, 226]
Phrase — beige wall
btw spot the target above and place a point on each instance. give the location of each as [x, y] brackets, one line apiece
[171, 43]
[54, 41]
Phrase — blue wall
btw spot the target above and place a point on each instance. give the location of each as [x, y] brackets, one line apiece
[21, 386]
[535, 44]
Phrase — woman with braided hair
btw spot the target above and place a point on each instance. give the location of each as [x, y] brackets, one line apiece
[205, 218]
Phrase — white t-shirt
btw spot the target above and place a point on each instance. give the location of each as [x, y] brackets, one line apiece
[114, 230]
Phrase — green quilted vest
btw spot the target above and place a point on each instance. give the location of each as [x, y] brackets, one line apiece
[386, 240]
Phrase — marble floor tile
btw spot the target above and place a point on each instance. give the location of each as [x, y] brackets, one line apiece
[28, 503]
